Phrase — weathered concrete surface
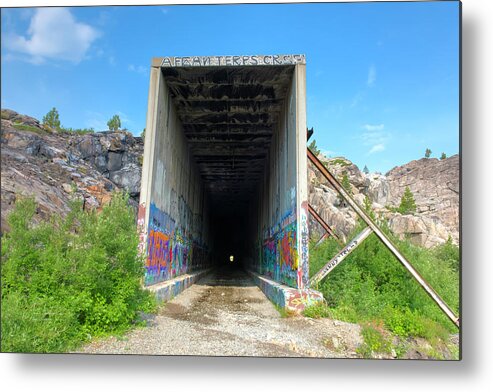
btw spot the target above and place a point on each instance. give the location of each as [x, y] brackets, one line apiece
[226, 314]
[224, 169]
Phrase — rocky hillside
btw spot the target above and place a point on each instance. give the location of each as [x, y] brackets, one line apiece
[434, 184]
[56, 167]
[59, 166]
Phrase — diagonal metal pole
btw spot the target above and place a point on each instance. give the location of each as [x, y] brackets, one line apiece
[338, 258]
[322, 239]
[324, 224]
[338, 187]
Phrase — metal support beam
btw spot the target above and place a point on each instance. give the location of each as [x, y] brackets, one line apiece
[322, 239]
[338, 258]
[339, 188]
[324, 224]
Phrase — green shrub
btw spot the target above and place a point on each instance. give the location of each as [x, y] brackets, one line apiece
[318, 310]
[65, 280]
[374, 341]
[370, 284]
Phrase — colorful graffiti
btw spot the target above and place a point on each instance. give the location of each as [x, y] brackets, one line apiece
[170, 249]
[280, 256]
[141, 214]
[305, 237]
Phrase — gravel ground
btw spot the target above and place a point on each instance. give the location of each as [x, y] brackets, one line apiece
[226, 314]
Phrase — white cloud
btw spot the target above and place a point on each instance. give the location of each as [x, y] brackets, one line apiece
[377, 148]
[137, 68]
[372, 76]
[370, 127]
[375, 136]
[53, 34]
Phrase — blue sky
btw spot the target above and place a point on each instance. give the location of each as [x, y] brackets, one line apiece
[382, 78]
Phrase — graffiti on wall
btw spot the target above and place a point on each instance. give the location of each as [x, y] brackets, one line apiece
[305, 238]
[280, 255]
[171, 250]
[141, 215]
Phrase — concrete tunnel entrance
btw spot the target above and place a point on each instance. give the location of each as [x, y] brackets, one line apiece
[224, 173]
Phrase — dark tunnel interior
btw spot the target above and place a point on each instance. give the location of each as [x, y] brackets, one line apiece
[229, 116]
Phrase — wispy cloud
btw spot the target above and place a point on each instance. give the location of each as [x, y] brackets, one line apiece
[358, 97]
[137, 68]
[53, 34]
[372, 76]
[329, 153]
[376, 148]
[375, 137]
[371, 128]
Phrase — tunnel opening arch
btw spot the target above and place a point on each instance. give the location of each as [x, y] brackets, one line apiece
[225, 173]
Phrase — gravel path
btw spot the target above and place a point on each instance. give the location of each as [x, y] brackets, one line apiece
[226, 314]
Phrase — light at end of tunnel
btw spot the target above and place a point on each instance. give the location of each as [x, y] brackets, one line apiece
[231, 258]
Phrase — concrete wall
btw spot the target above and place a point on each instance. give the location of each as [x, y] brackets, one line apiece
[174, 217]
[279, 219]
[173, 212]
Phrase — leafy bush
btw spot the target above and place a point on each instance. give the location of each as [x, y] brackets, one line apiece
[370, 284]
[68, 279]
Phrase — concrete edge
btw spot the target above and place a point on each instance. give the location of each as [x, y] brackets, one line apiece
[164, 291]
[286, 297]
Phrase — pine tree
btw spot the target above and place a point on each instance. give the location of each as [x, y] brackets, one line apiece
[427, 153]
[408, 204]
[313, 147]
[368, 207]
[52, 119]
[346, 184]
[114, 123]
[365, 170]
[443, 156]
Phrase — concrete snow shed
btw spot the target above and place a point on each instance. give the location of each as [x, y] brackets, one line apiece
[225, 173]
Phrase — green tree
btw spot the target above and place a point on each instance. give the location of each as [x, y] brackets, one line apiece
[365, 170]
[346, 184]
[408, 204]
[368, 207]
[427, 153]
[52, 119]
[313, 147]
[443, 156]
[114, 123]
[143, 134]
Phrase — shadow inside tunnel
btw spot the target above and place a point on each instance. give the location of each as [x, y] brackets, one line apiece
[232, 274]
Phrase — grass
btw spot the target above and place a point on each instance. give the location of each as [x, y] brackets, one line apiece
[29, 128]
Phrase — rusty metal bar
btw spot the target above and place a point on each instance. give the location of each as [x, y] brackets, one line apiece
[322, 238]
[338, 187]
[338, 258]
[324, 224]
